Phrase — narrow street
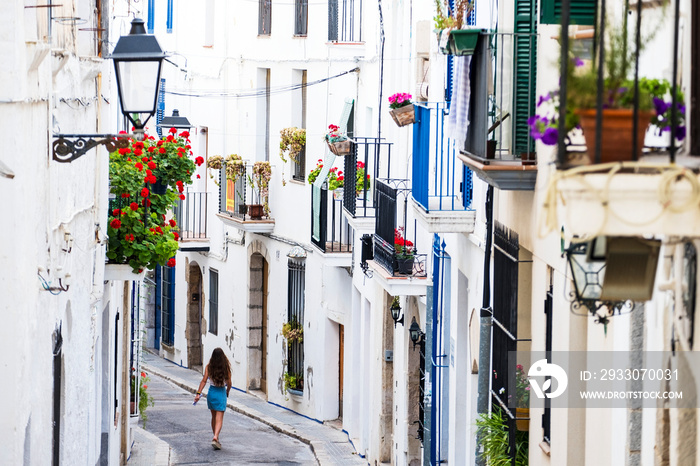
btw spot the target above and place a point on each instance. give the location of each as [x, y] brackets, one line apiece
[187, 430]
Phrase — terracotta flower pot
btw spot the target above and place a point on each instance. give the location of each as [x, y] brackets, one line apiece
[256, 211]
[616, 141]
[340, 147]
[403, 116]
[524, 424]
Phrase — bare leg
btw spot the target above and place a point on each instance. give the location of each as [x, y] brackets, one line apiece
[218, 423]
[213, 422]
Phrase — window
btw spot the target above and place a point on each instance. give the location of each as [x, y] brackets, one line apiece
[213, 301]
[264, 17]
[169, 19]
[345, 21]
[547, 416]
[301, 17]
[299, 120]
[295, 317]
[168, 305]
[262, 116]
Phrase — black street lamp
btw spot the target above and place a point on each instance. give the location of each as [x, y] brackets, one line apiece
[138, 59]
[415, 333]
[396, 311]
[175, 121]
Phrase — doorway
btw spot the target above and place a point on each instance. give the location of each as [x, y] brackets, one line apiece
[257, 323]
[193, 331]
[341, 366]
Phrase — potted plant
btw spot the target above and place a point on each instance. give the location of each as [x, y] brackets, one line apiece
[145, 399]
[260, 182]
[401, 109]
[654, 98]
[522, 394]
[293, 382]
[453, 38]
[146, 179]
[293, 331]
[292, 142]
[337, 141]
[215, 162]
[405, 252]
[492, 428]
[336, 179]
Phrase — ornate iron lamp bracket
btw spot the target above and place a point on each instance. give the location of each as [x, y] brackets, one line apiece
[68, 147]
[593, 306]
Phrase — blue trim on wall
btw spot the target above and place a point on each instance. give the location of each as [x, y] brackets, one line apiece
[169, 21]
[302, 415]
[159, 296]
[151, 16]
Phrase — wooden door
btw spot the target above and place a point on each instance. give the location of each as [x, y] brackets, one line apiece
[341, 368]
[263, 376]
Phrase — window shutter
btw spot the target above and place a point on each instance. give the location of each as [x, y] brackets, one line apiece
[525, 79]
[582, 12]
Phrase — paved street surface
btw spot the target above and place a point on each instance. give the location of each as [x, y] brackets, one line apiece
[187, 429]
[255, 431]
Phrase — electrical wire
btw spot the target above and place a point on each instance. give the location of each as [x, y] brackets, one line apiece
[47, 286]
[256, 93]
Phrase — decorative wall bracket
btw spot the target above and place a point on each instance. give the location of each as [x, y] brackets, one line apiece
[69, 147]
[609, 308]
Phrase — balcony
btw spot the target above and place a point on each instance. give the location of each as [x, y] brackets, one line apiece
[330, 230]
[191, 217]
[649, 185]
[240, 203]
[441, 185]
[359, 201]
[498, 146]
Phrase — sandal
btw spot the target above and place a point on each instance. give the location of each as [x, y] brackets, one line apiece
[216, 444]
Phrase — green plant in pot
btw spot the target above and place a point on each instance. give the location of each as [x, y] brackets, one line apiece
[145, 398]
[292, 142]
[260, 182]
[293, 381]
[147, 180]
[492, 428]
[618, 93]
[453, 38]
[293, 331]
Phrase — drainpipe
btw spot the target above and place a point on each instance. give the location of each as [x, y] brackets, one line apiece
[482, 403]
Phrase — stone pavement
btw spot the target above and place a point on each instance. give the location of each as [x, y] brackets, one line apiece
[148, 450]
[330, 446]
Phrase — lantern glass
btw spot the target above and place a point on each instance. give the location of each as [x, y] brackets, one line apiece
[138, 81]
[414, 331]
[587, 269]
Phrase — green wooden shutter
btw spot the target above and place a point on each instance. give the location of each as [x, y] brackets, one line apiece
[582, 12]
[525, 78]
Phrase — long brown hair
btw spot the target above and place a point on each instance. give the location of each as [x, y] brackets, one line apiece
[219, 367]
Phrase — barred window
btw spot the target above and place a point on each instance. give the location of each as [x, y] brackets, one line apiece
[213, 301]
[295, 317]
[167, 321]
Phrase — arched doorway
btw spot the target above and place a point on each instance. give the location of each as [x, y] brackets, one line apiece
[257, 323]
[193, 332]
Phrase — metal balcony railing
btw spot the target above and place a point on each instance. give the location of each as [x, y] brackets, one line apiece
[191, 215]
[389, 195]
[330, 230]
[439, 180]
[502, 97]
[373, 155]
[237, 198]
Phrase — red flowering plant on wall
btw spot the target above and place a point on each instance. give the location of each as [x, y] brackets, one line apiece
[147, 179]
[404, 248]
[336, 178]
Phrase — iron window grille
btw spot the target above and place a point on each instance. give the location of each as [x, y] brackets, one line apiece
[296, 282]
[301, 17]
[213, 301]
[168, 305]
[264, 17]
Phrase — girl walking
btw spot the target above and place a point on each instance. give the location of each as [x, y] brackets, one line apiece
[218, 372]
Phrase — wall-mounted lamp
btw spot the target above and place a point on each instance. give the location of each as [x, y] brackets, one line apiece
[415, 332]
[175, 121]
[612, 272]
[396, 311]
[138, 59]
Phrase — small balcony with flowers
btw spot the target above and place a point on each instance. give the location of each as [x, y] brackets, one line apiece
[147, 191]
[331, 232]
[441, 186]
[494, 95]
[625, 165]
[392, 252]
[243, 193]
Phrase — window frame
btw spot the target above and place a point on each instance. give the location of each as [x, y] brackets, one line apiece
[213, 321]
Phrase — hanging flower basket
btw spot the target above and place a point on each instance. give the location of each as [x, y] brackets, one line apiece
[123, 272]
[459, 42]
[403, 115]
[340, 147]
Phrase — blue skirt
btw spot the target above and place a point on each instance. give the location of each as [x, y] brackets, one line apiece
[216, 398]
